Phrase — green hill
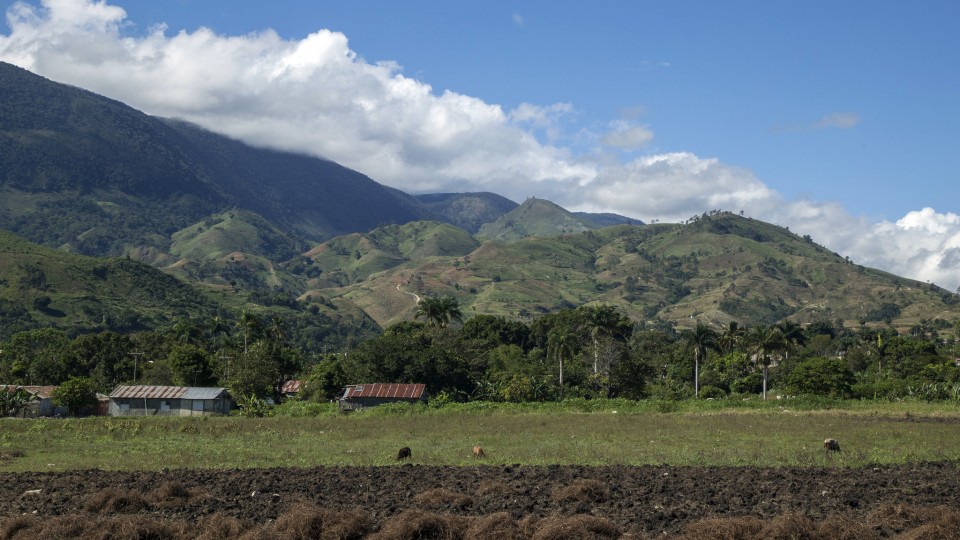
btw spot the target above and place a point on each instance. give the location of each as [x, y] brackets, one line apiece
[92, 175]
[40, 286]
[356, 257]
[469, 211]
[535, 217]
[718, 269]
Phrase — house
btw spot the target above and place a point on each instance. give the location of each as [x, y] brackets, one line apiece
[40, 403]
[169, 401]
[291, 388]
[360, 396]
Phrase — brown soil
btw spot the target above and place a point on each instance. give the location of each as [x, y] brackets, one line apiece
[502, 502]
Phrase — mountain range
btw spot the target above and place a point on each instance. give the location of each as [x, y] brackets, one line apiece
[240, 227]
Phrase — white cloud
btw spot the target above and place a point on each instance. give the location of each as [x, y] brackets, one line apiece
[845, 120]
[627, 136]
[315, 95]
[838, 120]
[519, 20]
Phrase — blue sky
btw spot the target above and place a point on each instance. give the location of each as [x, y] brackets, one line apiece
[746, 82]
[837, 119]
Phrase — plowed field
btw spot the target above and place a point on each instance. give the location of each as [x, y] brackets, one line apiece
[414, 501]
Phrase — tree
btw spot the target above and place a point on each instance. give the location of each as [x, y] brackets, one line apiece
[822, 376]
[732, 338]
[12, 400]
[75, 393]
[189, 365]
[326, 379]
[767, 344]
[255, 372]
[249, 324]
[701, 339]
[560, 345]
[439, 311]
[603, 320]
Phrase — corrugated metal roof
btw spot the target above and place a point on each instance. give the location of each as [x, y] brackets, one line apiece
[166, 392]
[384, 390]
[42, 392]
[291, 387]
[196, 392]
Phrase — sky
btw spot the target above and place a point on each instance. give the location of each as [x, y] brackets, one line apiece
[838, 120]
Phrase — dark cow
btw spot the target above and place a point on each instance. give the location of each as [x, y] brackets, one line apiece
[404, 453]
[831, 445]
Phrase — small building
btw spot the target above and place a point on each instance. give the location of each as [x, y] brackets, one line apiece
[361, 396]
[41, 401]
[291, 388]
[169, 401]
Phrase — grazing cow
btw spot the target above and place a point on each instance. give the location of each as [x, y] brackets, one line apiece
[478, 452]
[831, 445]
[404, 453]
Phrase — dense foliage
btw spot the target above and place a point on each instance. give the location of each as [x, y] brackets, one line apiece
[589, 352]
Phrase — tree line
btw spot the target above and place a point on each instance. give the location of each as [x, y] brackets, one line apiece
[586, 352]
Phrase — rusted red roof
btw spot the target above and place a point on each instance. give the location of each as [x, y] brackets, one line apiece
[291, 387]
[149, 392]
[42, 392]
[167, 392]
[384, 391]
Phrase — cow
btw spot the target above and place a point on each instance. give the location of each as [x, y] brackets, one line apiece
[831, 445]
[404, 453]
[478, 452]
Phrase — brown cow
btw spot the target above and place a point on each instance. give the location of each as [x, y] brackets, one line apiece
[404, 453]
[478, 452]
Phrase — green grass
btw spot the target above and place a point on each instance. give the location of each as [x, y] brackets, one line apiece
[699, 434]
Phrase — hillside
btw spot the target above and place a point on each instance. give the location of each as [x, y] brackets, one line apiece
[469, 211]
[718, 269]
[92, 175]
[535, 217]
[41, 287]
[234, 227]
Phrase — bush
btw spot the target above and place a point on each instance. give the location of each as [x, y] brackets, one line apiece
[821, 376]
[712, 392]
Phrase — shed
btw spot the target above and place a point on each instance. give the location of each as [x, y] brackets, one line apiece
[41, 401]
[169, 401]
[291, 388]
[360, 396]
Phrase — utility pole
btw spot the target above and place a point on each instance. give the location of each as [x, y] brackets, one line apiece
[136, 356]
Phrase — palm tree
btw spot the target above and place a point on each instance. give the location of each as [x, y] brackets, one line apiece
[277, 329]
[732, 338]
[702, 338]
[249, 324]
[439, 311]
[603, 320]
[767, 345]
[560, 345]
[793, 334]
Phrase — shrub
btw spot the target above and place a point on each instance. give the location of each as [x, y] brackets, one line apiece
[822, 376]
[712, 392]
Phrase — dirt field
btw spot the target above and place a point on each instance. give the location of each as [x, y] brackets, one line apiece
[503, 502]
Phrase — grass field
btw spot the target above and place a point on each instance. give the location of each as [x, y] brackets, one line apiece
[630, 433]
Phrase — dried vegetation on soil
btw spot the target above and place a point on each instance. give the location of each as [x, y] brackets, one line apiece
[498, 502]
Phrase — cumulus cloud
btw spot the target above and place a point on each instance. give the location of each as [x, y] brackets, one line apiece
[313, 95]
[317, 96]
